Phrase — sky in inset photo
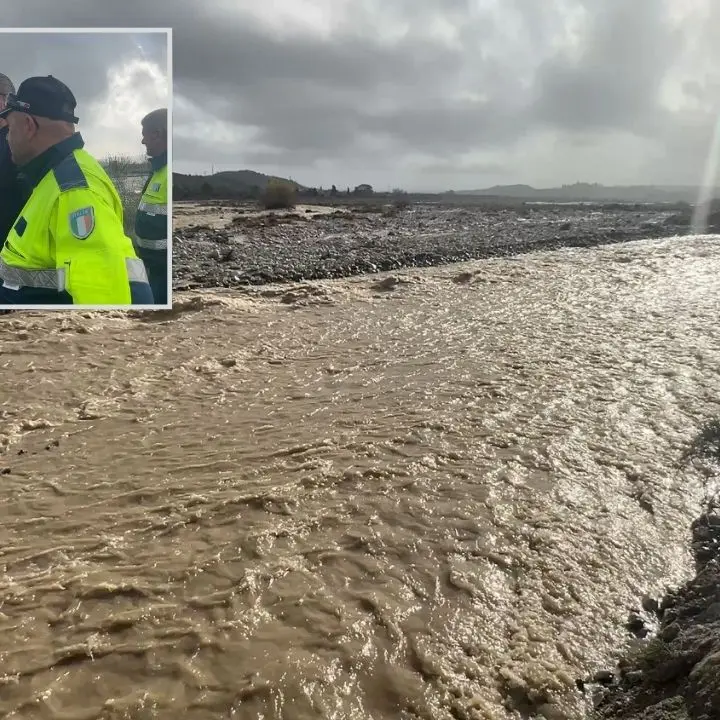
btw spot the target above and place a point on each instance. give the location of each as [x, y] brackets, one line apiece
[116, 78]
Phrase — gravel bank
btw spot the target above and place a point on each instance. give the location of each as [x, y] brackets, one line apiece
[252, 248]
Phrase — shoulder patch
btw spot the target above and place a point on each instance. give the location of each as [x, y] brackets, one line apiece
[82, 222]
[20, 226]
[69, 174]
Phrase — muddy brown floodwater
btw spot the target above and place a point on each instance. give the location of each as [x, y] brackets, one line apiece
[432, 497]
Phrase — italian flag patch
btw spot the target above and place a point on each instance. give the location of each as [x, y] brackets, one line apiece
[82, 222]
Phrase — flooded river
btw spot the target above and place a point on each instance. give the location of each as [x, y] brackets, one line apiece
[433, 498]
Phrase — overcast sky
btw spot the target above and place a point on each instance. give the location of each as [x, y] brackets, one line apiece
[116, 78]
[434, 94]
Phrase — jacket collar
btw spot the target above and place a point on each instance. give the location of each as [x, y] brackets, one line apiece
[35, 170]
[159, 161]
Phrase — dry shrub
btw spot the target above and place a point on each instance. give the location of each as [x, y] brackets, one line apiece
[278, 196]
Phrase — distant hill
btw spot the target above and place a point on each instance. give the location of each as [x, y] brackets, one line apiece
[230, 182]
[593, 192]
[247, 178]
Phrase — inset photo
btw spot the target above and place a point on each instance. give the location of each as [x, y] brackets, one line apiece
[85, 190]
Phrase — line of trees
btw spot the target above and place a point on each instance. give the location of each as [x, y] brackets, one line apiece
[195, 188]
[125, 165]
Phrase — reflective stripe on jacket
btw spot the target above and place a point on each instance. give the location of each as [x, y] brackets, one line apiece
[151, 221]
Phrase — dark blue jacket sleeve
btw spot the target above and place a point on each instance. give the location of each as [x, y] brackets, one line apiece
[12, 192]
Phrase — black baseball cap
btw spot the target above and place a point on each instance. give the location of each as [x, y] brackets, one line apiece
[45, 97]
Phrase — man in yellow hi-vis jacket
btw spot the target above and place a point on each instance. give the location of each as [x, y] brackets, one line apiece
[68, 245]
[151, 220]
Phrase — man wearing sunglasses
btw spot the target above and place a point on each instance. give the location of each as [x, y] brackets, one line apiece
[68, 245]
[12, 195]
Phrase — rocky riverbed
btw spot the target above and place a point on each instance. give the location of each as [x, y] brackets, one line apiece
[226, 245]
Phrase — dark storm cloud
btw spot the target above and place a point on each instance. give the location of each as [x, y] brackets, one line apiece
[318, 95]
[321, 96]
[615, 82]
[507, 74]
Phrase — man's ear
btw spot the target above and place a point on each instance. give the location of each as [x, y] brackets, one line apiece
[33, 125]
